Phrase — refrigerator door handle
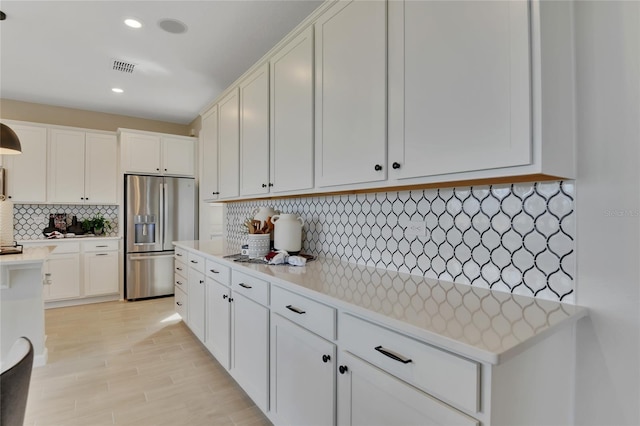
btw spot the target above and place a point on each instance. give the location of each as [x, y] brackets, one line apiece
[150, 257]
[162, 213]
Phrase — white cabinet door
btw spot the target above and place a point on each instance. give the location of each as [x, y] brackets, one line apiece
[101, 169]
[351, 75]
[196, 303]
[368, 396]
[302, 383]
[218, 328]
[178, 156]
[64, 281]
[459, 86]
[26, 173]
[250, 352]
[209, 163]
[140, 153]
[66, 166]
[229, 146]
[254, 133]
[101, 273]
[292, 115]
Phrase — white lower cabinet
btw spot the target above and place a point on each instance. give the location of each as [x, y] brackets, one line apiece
[369, 396]
[82, 270]
[218, 328]
[181, 302]
[196, 302]
[101, 267]
[250, 350]
[304, 360]
[302, 375]
[101, 273]
[62, 272]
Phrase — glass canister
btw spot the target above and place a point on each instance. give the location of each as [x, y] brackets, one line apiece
[287, 232]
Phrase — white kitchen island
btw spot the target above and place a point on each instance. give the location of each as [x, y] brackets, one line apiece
[21, 302]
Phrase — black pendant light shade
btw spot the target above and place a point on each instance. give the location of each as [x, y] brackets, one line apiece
[9, 142]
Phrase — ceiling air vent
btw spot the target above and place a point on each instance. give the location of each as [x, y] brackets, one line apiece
[123, 66]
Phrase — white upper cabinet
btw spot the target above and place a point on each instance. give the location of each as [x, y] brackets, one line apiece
[292, 115]
[229, 146]
[209, 158]
[82, 167]
[254, 132]
[101, 168]
[26, 173]
[178, 155]
[157, 153]
[351, 77]
[459, 86]
[140, 152]
[66, 166]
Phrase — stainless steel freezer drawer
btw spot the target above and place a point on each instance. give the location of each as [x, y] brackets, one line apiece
[149, 275]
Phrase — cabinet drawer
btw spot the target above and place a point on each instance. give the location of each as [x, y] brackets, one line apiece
[109, 245]
[181, 254]
[446, 376]
[180, 268]
[254, 288]
[312, 315]
[218, 271]
[181, 303]
[196, 262]
[66, 248]
[180, 282]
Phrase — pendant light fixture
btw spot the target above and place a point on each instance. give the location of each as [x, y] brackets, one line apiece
[9, 142]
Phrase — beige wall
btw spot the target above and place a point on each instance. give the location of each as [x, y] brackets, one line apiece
[196, 126]
[39, 113]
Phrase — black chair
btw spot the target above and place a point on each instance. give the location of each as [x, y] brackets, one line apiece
[14, 383]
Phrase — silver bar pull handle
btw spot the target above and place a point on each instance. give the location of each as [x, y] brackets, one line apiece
[243, 285]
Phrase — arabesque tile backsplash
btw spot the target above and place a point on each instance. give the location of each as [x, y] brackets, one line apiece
[515, 238]
[30, 219]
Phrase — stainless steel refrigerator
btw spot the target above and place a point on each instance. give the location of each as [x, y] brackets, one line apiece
[158, 210]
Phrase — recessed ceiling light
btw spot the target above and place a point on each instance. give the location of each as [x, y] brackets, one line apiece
[117, 90]
[133, 23]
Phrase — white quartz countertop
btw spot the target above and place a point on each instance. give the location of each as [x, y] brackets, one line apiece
[28, 255]
[486, 325]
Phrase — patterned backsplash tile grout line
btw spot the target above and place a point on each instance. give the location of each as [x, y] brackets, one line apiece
[516, 238]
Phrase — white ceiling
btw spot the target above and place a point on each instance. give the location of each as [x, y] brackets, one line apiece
[61, 52]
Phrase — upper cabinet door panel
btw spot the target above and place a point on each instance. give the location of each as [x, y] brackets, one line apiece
[459, 86]
[350, 51]
[141, 153]
[229, 146]
[292, 115]
[26, 176]
[254, 132]
[178, 156]
[209, 163]
[66, 166]
[101, 169]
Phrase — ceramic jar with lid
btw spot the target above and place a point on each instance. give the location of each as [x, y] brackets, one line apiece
[287, 232]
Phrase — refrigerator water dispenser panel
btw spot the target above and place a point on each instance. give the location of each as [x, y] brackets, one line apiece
[145, 229]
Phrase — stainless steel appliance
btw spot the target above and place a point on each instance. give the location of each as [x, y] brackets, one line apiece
[158, 210]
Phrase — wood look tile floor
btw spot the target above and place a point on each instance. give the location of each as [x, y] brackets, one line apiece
[131, 363]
